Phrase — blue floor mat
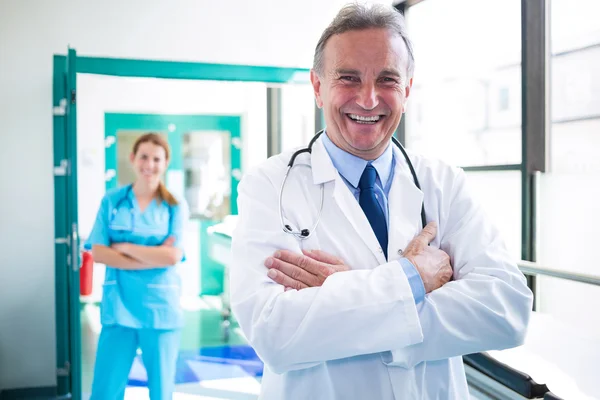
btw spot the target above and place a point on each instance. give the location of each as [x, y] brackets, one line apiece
[222, 362]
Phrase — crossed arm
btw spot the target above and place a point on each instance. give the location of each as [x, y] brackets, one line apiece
[130, 256]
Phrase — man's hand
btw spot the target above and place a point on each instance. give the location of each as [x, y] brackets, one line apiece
[432, 264]
[297, 271]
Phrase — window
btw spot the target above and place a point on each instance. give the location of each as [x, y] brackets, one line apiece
[465, 54]
[567, 195]
[465, 104]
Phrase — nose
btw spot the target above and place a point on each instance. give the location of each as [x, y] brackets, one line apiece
[367, 97]
[148, 164]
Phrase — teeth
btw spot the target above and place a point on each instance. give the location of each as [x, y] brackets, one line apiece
[360, 118]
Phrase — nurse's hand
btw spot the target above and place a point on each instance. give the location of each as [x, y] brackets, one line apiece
[299, 271]
[169, 242]
[432, 264]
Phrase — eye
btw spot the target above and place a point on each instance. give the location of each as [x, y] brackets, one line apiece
[349, 78]
[156, 159]
[144, 157]
[388, 80]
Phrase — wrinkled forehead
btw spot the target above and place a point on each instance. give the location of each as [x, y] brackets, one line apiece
[368, 50]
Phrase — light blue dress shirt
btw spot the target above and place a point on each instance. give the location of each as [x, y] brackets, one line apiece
[351, 168]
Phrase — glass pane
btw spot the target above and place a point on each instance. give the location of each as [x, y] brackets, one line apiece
[207, 173]
[567, 308]
[567, 233]
[125, 142]
[297, 116]
[575, 94]
[574, 148]
[574, 24]
[465, 104]
[500, 195]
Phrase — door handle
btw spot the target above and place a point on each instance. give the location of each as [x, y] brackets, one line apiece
[74, 248]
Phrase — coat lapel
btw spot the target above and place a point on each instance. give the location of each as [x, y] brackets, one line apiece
[404, 202]
[324, 171]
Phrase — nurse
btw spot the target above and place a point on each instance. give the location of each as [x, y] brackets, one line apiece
[138, 236]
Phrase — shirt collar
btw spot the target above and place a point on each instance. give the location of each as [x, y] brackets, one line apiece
[351, 167]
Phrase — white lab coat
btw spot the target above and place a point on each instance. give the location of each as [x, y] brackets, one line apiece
[361, 336]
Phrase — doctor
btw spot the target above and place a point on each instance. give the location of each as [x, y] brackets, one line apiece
[373, 311]
[138, 235]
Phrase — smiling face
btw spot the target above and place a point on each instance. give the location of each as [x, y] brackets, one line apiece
[149, 163]
[363, 89]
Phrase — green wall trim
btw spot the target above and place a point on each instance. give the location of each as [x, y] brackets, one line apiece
[190, 70]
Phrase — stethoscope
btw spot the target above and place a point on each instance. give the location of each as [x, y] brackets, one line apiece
[127, 199]
[305, 233]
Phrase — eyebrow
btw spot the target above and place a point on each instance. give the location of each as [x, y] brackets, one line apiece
[391, 72]
[343, 71]
[386, 72]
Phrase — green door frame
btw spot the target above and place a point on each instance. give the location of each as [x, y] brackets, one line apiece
[65, 69]
[180, 125]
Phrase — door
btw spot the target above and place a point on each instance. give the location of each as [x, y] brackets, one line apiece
[66, 231]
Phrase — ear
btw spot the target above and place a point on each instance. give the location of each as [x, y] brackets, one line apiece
[316, 83]
[408, 88]
[131, 157]
[407, 93]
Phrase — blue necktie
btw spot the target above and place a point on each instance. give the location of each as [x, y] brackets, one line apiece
[368, 202]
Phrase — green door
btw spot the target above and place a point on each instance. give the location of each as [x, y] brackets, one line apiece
[204, 169]
[68, 355]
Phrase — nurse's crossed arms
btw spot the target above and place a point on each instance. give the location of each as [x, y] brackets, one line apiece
[145, 257]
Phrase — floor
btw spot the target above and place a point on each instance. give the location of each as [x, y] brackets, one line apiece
[209, 366]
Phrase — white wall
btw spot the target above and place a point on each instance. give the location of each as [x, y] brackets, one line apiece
[262, 32]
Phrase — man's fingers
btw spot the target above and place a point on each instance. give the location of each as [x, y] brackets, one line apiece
[320, 255]
[306, 263]
[428, 233]
[292, 271]
[285, 280]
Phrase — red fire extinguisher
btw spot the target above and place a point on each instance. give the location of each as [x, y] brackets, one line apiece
[86, 273]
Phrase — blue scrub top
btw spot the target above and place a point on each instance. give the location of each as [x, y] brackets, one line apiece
[139, 298]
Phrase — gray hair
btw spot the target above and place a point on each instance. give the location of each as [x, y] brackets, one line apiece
[354, 17]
